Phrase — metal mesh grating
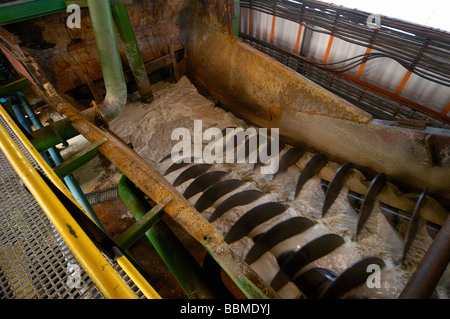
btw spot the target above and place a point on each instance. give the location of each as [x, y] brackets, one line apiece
[105, 195]
[35, 262]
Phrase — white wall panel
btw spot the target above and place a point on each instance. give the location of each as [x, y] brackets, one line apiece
[426, 93]
[262, 25]
[384, 73]
[285, 34]
[342, 50]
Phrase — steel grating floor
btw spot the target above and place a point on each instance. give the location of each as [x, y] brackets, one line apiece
[35, 262]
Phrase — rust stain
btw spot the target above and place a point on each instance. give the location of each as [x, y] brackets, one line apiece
[71, 231]
[254, 86]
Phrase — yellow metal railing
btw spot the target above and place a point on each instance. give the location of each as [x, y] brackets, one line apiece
[95, 264]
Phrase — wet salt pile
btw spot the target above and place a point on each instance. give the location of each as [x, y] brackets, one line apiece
[295, 221]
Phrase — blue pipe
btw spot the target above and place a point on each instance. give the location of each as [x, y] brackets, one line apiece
[24, 122]
[69, 180]
[19, 113]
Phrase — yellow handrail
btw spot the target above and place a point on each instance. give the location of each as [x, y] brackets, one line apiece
[108, 281]
[101, 272]
[38, 158]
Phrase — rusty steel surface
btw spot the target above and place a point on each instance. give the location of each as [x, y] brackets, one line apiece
[266, 93]
[251, 84]
[393, 150]
[428, 273]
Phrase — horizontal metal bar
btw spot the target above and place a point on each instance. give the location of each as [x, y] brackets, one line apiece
[14, 86]
[28, 10]
[78, 160]
[138, 229]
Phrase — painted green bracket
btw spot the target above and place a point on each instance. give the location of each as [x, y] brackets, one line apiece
[78, 160]
[45, 138]
[56, 133]
[138, 229]
[14, 86]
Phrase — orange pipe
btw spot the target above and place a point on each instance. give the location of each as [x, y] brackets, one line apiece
[273, 28]
[328, 49]
[297, 44]
[403, 83]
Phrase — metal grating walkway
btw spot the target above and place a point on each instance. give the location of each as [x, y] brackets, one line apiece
[35, 262]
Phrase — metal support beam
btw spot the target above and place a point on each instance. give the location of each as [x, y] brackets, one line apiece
[45, 138]
[146, 178]
[108, 50]
[428, 273]
[180, 262]
[123, 23]
[108, 281]
[14, 86]
[31, 9]
[75, 162]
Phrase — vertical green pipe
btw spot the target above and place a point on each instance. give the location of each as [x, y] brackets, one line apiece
[123, 23]
[236, 16]
[186, 270]
[69, 180]
[108, 50]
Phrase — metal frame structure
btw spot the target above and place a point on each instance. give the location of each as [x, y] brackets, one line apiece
[145, 178]
[103, 274]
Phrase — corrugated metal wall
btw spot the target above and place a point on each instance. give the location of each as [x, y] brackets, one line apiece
[313, 42]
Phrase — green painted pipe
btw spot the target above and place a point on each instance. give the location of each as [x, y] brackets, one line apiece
[236, 17]
[108, 50]
[191, 277]
[123, 23]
